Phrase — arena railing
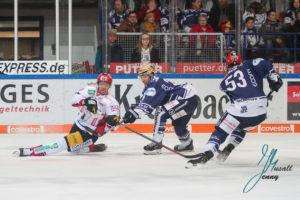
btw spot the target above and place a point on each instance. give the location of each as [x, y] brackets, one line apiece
[288, 52]
[178, 47]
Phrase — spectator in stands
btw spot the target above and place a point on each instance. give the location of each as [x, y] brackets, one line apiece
[203, 41]
[149, 25]
[251, 39]
[164, 17]
[191, 15]
[118, 14]
[115, 52]
[258, 11]
[292, 11]
[221, 11]
[272, 25]
[145, 52]
[293, 26]
[129, 24]
[151, 6]
[229, 40]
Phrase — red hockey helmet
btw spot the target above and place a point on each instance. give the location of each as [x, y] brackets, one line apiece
[103, 77]
[233, 58]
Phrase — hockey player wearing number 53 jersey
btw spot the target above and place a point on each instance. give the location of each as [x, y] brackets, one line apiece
[244, 86]
[175, 102]
[98, 113]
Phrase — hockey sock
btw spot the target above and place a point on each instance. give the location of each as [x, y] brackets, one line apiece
[185, 139]
[215, 140]
[52, 148]
[160, 119]
[236, 138]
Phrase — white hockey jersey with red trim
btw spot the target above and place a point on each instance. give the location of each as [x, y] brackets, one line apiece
[107, 105]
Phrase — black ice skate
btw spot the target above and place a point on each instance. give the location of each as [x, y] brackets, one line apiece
[223, 155]
[152, 149]
[97, 147]
[204, 157]
[22, 152]
[180, 147]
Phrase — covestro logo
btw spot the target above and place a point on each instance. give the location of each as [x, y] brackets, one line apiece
[25, 129]
[277, 128]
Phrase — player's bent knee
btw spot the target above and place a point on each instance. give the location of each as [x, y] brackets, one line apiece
[76, 142]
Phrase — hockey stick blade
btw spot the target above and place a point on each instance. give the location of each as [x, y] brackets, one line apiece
[162, 145]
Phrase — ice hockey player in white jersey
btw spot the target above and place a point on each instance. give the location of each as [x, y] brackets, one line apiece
[99, 113]
[244, 86]
[175, 102]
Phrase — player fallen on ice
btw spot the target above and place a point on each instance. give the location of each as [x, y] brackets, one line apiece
[99, 113]
[244, 86]
[175, 102]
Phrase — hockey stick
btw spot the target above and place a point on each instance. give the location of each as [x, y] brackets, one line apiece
[269, 97]
[164, 146]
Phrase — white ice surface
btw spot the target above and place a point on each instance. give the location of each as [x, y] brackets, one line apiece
[123, 172]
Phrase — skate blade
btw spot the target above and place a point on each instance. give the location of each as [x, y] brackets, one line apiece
[189, 165]
[192, 166]
[154, 152]
[221, 158]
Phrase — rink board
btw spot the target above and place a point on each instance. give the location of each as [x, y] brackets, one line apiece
[42, 104]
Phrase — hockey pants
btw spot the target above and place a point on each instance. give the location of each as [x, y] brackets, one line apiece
[180, 112]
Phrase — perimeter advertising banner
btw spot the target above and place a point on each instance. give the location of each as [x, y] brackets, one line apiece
[34, 67]
[219, 68]
[132, 68]
[293, 100]
[44, 105]
[196, 68]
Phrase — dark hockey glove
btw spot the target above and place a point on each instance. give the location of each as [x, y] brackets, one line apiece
[112, 120]
[91, 104]
[130, 116]
[275, 86]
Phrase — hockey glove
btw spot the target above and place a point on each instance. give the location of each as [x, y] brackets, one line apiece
[91, 104]
[275, 86]
[112, 120]
[130, 116]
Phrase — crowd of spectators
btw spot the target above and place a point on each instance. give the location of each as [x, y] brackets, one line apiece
[263, 25]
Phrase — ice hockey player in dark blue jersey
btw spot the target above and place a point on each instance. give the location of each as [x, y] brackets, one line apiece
[244, 86]
[175, 102]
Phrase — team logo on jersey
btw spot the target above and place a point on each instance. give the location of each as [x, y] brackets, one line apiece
[150, 92]
[257, 61]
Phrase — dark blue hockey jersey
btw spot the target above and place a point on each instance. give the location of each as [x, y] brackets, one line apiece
[191, 17]
[159, 92]
[244, 86]
[116, 19]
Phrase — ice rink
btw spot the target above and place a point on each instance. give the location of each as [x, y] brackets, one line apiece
[123, 172]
